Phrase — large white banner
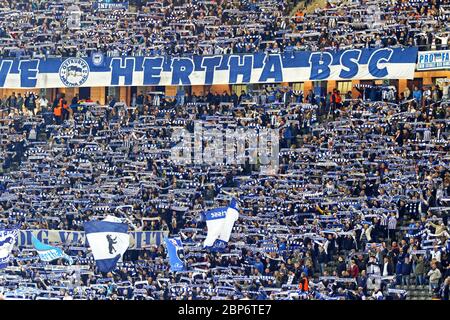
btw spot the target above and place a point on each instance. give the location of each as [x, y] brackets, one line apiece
[100, 71]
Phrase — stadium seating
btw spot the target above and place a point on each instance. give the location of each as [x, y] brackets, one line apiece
[45, 28]
[351, 204]
[357, 170]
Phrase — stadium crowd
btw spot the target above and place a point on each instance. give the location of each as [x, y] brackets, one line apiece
[42, 29]
[358, 208]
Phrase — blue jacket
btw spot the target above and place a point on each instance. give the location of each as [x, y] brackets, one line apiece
[259, 266]
[399, 267]
[288, 133]
[417, 95]
[406, 268]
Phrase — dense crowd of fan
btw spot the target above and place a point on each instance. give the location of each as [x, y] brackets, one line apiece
[358, 207]
[39, 29]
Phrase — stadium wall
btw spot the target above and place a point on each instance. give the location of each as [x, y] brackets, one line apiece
[125, 93]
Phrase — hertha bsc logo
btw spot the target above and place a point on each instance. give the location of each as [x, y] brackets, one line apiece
[74, 72]
[97, 59]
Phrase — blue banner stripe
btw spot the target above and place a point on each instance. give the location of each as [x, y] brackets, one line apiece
[289, 60]
[215, 214]
[107, 265]
[105, 226]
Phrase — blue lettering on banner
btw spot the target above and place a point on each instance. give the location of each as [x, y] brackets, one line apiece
[24, 237]
[5, 67]
[137, 239]
[379, 56]
[157, 237]
[62, 235]
[28, 73]
[77, 238]
[320, 65]
[210, 64]
[152, 70]
[240, 66]
[272, 69]
[147, 239]
[433, 60]
[110, 5]
[119, 70]
[181, 70]
[349, 62]
[218, 213]
[42, 236]
[384, 63]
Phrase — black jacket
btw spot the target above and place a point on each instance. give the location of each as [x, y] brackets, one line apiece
[445, 292]
[341, 267]
[322, 257]
[390, 269]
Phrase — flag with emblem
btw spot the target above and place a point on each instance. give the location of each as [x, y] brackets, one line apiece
[108, 240]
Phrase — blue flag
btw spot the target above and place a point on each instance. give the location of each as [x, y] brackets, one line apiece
[176, 254]
[108, 239]
[49, 253]
[8, 238]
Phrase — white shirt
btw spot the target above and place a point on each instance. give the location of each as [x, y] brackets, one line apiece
[444, 40]
[32, 135]
[427, 135]
[385, 270]
[373, 269]
[445, 91]
[43, 102]
[378, 295]
[436, 255]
